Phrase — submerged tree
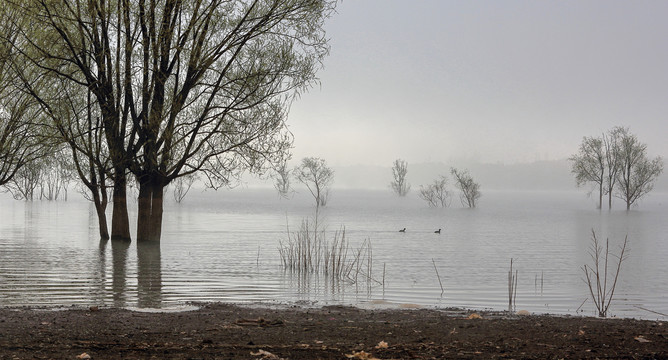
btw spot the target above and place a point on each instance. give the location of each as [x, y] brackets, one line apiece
[470, 190]
[399, 184]
[637, 173]
[589, 165]
[281, 178]
[436, 194]
[317, 176]
[181, 87]
[617, 164]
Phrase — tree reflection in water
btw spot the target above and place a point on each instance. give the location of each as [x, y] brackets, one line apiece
[149, 275]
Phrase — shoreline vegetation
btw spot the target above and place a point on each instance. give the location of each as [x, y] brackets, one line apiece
[218, 330]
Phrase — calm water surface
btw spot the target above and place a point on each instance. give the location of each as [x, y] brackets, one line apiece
[224, 247]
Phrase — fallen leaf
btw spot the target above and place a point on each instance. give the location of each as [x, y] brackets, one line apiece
[454, 331]
[265, 355]
[581, 332]
[83, 356]
[474, 316]
[362, 355]
[381, 345]
[641, 339]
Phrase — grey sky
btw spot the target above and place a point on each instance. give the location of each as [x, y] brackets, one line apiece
[491, 81]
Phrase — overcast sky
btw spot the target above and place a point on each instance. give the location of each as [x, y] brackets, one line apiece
[489, 81]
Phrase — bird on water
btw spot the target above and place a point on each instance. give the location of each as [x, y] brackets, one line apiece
[437, 231]
[402, 230]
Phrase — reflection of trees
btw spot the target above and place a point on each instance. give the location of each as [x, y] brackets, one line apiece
[119, 255]
[149, 275]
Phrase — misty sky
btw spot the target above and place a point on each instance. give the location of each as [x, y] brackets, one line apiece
[487, 81]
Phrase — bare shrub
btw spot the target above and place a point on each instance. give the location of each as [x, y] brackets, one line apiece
[597, 275]
[436, 194]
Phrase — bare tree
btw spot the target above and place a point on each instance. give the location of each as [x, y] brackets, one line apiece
[470, 190]
[399, 184]
[181, 87]
[637, 173]
[317, 176]
[589, 164]
[281, 178]
[436, 194]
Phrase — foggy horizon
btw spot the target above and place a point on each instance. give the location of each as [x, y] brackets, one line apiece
[511, 82]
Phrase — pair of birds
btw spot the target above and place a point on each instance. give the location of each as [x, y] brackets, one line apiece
[435, 232]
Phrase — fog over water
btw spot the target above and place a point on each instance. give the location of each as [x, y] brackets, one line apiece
[224, 247]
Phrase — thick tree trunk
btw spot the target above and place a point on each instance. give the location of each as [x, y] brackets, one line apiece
[120, 224]
[150, 207]
[600, 195]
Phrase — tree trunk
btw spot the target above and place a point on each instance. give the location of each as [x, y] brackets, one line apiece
[600, 195]
[100, 207]
[610, 200]
[150, 207]
[120, 224]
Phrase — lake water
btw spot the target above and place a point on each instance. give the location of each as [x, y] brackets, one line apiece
[223, 246]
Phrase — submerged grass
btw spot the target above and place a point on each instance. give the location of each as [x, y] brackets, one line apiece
[310, 251]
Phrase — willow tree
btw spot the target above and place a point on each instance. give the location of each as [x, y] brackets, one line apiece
[183, 87]
[21, 140]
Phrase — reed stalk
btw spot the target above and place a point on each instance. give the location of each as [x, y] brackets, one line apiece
[438, 276]
[512, 287]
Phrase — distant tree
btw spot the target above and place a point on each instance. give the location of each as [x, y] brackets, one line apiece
[470, 190]
[436, 194]
[182, 186]
[57, 174]
[399, 184]
[25, 181]
[637, 173]
[317, 176]
[589, 164]
[281, 178]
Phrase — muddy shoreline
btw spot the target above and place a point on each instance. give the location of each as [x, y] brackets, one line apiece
[228, 331]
